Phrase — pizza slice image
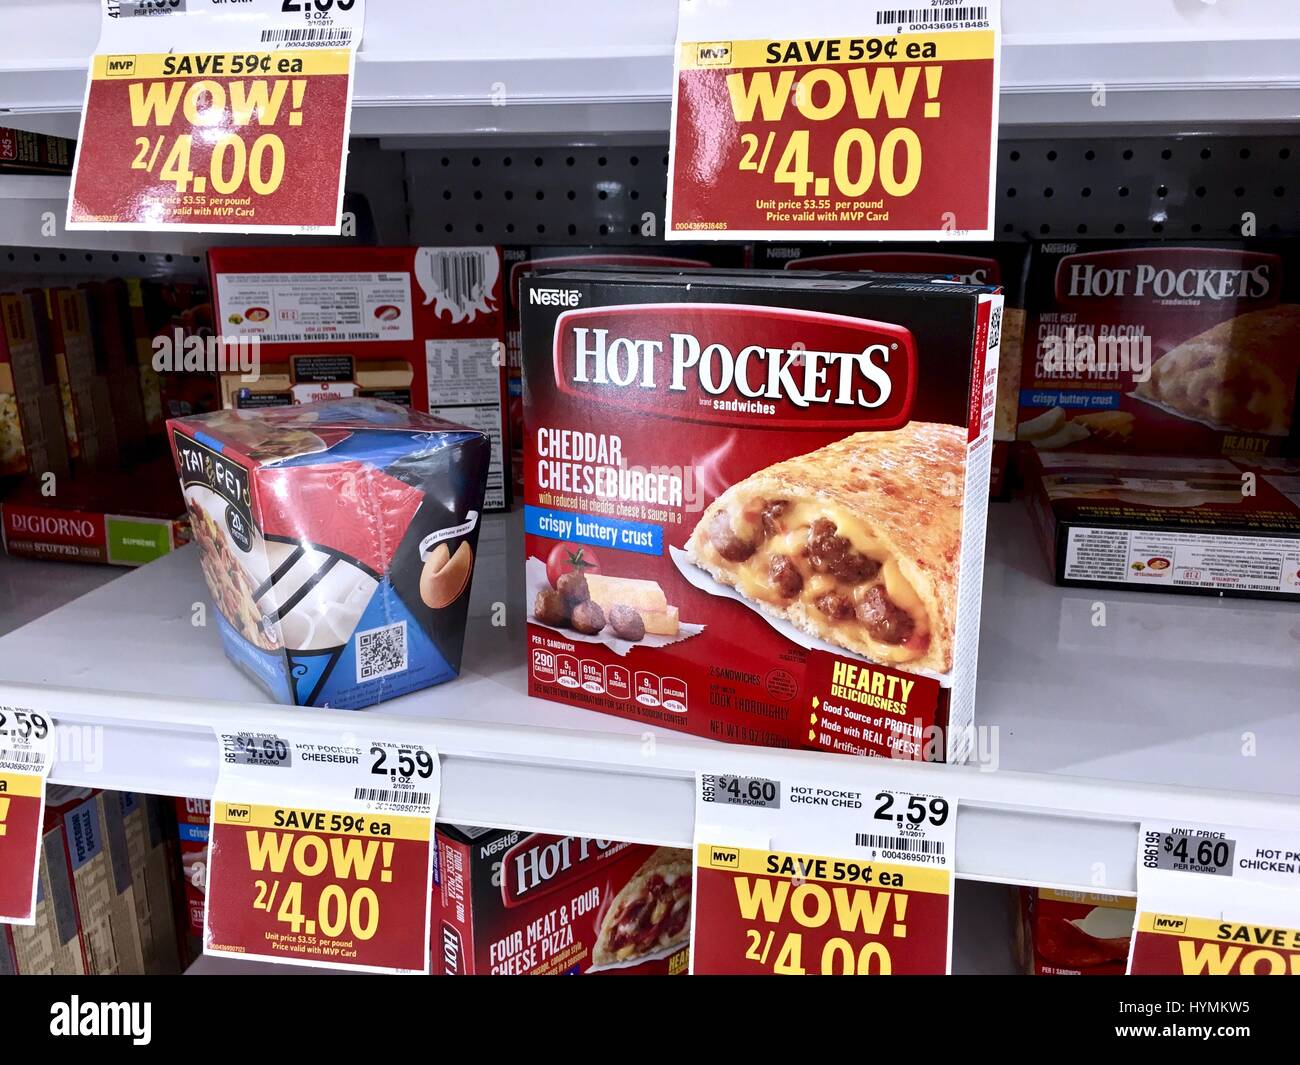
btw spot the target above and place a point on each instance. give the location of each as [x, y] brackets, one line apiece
[1240, 373]
[856, 543]
[651, 913]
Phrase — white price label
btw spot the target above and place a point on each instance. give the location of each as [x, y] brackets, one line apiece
[1215, 900]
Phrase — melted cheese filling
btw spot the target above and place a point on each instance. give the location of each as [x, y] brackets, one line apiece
[752, 577]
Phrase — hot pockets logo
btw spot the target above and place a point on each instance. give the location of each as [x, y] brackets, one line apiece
[539, 864]
[1184, 276]
[968, 269]
[730, 364]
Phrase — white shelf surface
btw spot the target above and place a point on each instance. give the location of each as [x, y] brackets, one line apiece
[579, 67]
[1096, 728]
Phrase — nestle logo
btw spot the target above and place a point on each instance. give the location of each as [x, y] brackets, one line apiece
[739, 364]
[553, 297]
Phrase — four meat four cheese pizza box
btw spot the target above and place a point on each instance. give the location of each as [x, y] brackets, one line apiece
[1003, 263]
[755, 502]
[1198, 524]
[421, 327]
[1072, 933]
[518, 903]
[1168, 348]
[338, 542]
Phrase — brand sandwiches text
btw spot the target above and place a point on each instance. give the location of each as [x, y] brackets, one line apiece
[802, 376]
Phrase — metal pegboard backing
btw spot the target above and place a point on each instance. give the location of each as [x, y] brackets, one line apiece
[1178, 186]
[38, 266]
[1132, 185]
[536, 195]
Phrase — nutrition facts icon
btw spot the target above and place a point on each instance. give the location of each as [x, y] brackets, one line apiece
[647, 689]
[543, 664]
[618, 682]
[674, 695]
[593, 676]
[566, 671]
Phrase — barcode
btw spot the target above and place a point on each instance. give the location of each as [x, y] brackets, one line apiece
[898, 843]
[381, 652]
[902, 15]
[405, 798]
[311, 35]
[460, 276]
[22, 757]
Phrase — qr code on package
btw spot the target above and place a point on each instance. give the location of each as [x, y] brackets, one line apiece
[381, 652]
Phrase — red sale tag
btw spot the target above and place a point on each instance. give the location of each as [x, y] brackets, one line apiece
[22, 801]
[26, 756]
[209, 119]
[775, 913]
[834, 120]
[321, 851]
[1165, 944]
[835, 878]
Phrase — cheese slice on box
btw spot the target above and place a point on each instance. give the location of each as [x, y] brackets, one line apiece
[646, 596]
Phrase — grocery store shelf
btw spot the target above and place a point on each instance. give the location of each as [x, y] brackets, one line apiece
[1086, 729]
[30, 588]
[574, 68]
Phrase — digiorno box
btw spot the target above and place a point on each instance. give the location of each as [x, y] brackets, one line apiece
[1002, 263]
[338, 543]
[1073, 933]
[417, 326]
[527, 904]
[1199, 524]
[755, 502]
[1161, 348]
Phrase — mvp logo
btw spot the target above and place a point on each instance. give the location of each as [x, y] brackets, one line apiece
[120, 66]
[238, 813]
[1169, 924]
[713, 54]
[724, 858]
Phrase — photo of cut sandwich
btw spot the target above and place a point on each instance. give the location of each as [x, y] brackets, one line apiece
[856, 544]
[651, 914]
[1240, 374]
[227, 579]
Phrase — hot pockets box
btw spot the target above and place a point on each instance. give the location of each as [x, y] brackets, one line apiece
[755, 502]
[526, 904]
[421, 327]
[338, 542]
[1190, 350]
[1073, 933]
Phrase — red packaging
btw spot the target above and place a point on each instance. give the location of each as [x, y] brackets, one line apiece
[519, 261]
[194, 824]
[755, 502]
[418, 326]
[521, 904]
[1073, 933]
[1005, 264]
[1191, 350]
